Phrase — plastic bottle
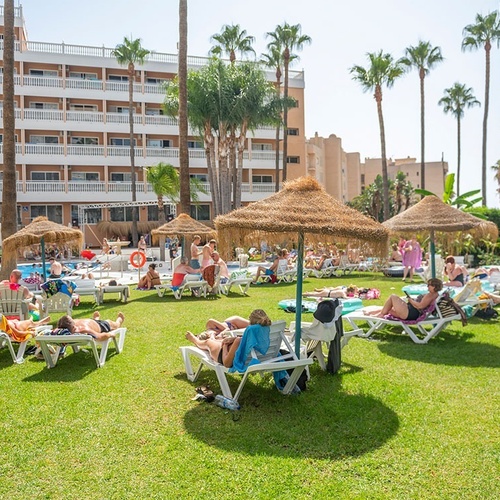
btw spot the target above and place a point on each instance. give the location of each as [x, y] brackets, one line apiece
[228, 403]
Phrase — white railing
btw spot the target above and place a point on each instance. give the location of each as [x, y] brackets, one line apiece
[45, 187]
[122, 118]
[81, 83]
[85, 116]
[42, 114]
[86, 187]
[160, 120]
[44, 149]
[85, 150]
[42, 81]
[17, 113]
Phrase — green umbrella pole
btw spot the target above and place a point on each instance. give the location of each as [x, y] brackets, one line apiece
[42, 243]
[298, 299]
[433, 255]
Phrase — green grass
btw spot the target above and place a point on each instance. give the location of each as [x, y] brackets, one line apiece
[400, 420]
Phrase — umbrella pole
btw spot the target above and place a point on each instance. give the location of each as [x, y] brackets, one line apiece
[433, 255]
[298, 298]
[42, 244]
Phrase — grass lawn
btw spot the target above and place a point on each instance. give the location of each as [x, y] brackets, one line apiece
[399, 421]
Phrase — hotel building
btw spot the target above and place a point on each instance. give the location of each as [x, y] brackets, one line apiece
[72, 134]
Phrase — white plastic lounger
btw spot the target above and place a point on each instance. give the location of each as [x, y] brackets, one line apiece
[122, 291]
[76, 341]
[435, 320]
[272, 361]
[243, 283]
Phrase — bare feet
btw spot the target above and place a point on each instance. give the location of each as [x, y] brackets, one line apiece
[189, 336]
[43, 321]
[121, 316]
[96, 315]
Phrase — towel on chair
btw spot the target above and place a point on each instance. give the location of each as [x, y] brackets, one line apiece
[4, 325]
[254, 337]
[52, 287]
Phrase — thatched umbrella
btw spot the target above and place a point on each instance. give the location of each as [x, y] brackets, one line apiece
[41, 231]
[431, 215]
[122, 229]
[184, 225]
[301, 209]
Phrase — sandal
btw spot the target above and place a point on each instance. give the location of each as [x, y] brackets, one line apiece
[205, 391]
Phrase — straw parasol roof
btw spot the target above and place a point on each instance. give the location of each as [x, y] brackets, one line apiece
[431, 213]
[184, 225]
[39, 228]
[301, 207]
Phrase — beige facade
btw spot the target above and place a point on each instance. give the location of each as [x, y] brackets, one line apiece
[72, 133]
[345, 176]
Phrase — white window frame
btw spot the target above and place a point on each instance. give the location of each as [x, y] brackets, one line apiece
[84, 141]
[82, 76]
[262, 146]
[83, 107]
[159, 143]
[262, 179]
[44, 175]
[85, 176]
[44, 105]
[37, 139]
[125, 141]
[118, 78]
[54, 217]
[51, 73]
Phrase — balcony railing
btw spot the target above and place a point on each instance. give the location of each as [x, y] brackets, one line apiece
[123, 151]
[115, 187]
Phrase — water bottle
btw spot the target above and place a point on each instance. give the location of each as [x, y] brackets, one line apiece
[227, 403]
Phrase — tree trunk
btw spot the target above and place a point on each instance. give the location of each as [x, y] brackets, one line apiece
[131, 73]
[458, 155]
[212, 173]
[185, 193]
[286, 58]
[224, 171]
[385, 178]
[232, 162]
[487, 49]
[9, 192]
[277, 140]
[422, 130]
[239, 172]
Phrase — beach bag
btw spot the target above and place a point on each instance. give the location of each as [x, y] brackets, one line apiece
[487, 313]
[449, 307]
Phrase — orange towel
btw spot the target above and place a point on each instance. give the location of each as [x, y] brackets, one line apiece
[16, 336]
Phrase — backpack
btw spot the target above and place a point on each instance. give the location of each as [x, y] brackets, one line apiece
[487, 313]
[449, 307]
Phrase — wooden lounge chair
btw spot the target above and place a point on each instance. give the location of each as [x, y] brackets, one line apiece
[271, 361]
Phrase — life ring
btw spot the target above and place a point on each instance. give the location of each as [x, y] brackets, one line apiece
[142, 259]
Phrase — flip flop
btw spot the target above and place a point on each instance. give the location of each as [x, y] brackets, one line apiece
[207, 392]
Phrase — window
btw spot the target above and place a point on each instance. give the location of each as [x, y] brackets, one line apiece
[195, 145]
[43, 72]
[292, 131]
[119, 109]
[83, 107]
[154, 111]
[120, 141]
[52, 212]
[118, 78]
[200, 177]
[200, 212]
[44, 139]
[44, 105]
[153, 212]
[44, 176]
[261, 179]
[155, 80]
[1, 138]
[159, 143]
[84, 176]
[363, 179]
[418, 173]
[83, 76]
[121, 177]
[92, 215]
[293, 159]
[89, 141]
[120, 214]
[261, 146]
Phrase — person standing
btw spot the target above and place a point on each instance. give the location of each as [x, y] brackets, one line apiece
[142, 246]
[195, 253]
[412, 257]
[207, 252]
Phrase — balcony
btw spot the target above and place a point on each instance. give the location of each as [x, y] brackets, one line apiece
[76, 154]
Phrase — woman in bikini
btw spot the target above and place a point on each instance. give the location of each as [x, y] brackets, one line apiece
[456, 274]
[150, 279]
[411, 309]
[224, 350]
[337, 292]
[219, 328]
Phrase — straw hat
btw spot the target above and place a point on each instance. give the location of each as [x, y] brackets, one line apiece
[301, 207]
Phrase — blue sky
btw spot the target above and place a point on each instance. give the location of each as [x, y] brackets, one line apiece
[342, 33]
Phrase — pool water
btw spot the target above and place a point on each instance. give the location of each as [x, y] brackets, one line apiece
[36, 267]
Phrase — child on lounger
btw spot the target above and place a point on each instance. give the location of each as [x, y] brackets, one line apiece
[411, 310]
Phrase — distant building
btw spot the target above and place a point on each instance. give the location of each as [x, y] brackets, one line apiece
[344, 176]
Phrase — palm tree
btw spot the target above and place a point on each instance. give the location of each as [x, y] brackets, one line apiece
[383, 70]
[9, 192]
[456, 100]
[289, 38]
[130, 53]
[422, 57]
[274, 59]
[185, 201]
[496, 168]
[230, 40]
[482, 34]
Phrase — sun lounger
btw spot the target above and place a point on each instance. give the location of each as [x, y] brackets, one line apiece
[51, 345]
[271, 361]
[432, 318]
[192, 283]
[122, 290]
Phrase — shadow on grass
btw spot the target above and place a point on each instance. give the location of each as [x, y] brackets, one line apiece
[321, 423]
[448, 348]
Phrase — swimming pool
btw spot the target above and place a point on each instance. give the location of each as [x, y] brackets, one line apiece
[36, 267]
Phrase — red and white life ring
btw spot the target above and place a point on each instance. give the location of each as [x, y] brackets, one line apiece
[137, 263]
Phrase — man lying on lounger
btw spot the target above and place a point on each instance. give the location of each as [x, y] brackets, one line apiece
[98, 328]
